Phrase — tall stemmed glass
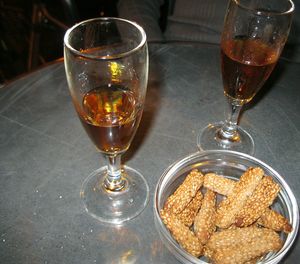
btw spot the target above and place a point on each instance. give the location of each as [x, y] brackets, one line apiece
[253, 37]
[106, 62]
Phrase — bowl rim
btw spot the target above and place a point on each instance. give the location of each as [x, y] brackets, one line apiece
[180, 163]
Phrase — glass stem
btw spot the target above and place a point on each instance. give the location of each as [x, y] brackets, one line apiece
[114, 181]
[229, 130]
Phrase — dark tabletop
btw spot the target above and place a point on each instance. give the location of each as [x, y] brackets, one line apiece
[45, 154]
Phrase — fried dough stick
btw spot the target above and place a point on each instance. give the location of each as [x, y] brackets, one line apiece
[205, 221]
[188, 214]
[185, 192]
[182, 234]
[268, 241]
[262, 197]
[269, 218]
[229, 208]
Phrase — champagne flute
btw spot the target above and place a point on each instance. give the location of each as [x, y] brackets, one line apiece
[106, 62]
[253, 37]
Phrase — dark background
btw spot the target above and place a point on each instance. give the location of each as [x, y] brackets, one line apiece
[31, 31]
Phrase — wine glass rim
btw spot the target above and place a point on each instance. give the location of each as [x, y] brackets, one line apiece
[105, 57]
[273, 13]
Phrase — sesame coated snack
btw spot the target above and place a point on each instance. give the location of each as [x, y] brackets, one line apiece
[275, 221]
[263, 196]
[185, 192]
[182, 234]
[235, 236]
[269, 218]
[229, 207]
[205, 224]
[188, 214]
[218, 183]
[248, 247]
[238, 227]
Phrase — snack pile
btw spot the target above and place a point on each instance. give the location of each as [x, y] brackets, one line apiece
[239, 229]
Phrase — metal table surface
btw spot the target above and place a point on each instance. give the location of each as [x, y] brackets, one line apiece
[45, 154]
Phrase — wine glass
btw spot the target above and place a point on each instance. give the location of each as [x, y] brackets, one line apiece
[106, 62]
[253, 37]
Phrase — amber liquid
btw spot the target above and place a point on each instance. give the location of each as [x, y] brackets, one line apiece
[111, 117]
[246, 65]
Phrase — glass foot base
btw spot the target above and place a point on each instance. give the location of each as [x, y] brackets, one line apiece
[118, 206]
[209, 139]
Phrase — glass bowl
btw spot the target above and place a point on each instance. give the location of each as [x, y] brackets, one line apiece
[229, 164]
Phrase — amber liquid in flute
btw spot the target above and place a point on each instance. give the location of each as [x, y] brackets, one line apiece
[246, 65]
[111, 117]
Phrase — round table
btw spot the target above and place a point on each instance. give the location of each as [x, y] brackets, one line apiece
[45, 154]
